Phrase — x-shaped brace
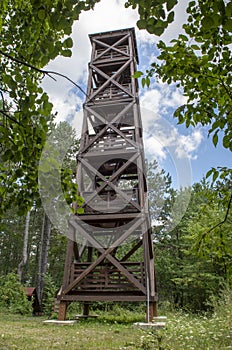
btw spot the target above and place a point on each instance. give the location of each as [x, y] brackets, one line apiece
[109, 125]
[111, 47]
[105, 253]
[110, 80]
[110, 180]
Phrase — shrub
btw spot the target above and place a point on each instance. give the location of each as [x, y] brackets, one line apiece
[13, 295]
[49, 293]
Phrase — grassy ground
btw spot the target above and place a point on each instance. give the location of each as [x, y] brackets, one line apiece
[18, 332]
[115, 330]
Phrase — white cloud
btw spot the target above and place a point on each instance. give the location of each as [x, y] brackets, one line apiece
[154, 148]
[157, 101]
[151, 100]
[188, 145]
[66, 108]
[107, 15]
[161, 97]
[163, 139]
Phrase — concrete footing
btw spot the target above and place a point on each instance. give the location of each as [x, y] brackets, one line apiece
[66, 323]
[158, 322]
[85, 316]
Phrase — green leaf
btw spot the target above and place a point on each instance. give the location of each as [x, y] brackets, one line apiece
[137, 74]
[228, 25]
[183, 37]
[227, 141]
[143, 82]
[215, 139]
[195, 47]
[215, 175]
[170, 18]
[148, 81]
[66, 53]
[68, 43]
[228, 9]
[41, 14]
[209, 173]
[158, 30]
[170, 4]
[208, 22]
[141, 24]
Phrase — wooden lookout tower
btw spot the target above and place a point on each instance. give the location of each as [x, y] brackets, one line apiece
[110, 252]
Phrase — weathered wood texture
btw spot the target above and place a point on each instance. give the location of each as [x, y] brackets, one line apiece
[110, 257]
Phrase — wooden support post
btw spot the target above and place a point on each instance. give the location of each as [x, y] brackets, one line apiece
[86, 309]
[62, 311]
[152, 312]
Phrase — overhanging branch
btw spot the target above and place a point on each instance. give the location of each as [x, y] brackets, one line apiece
[221, 222]
[42, 71]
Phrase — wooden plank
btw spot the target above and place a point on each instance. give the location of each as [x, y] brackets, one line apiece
[104, 297]
[68, 263]
[109, 217]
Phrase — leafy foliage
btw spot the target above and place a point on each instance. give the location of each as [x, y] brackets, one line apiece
[48, 294]
[32, 33]
[155, 16]
[199, 62]
[209, 231]
[13, 295]
[193, 260]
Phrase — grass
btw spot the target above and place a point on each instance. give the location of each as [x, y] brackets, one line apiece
[22, 333]
[114, 330]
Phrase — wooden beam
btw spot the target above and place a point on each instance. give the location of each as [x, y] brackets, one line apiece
[111, 47]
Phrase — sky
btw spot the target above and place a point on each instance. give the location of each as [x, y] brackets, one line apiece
[186, 154]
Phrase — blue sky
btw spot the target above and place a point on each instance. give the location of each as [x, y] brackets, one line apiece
[187, 154]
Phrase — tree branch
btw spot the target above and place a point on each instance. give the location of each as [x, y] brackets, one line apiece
[225, 87]
[42, 71]
[3, 101]
[221, 222]
[9, 116]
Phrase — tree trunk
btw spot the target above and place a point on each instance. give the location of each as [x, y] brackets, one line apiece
[25, 246]
[43, 255]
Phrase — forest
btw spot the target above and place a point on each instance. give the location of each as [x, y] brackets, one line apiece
[192, 260]
[193, 255]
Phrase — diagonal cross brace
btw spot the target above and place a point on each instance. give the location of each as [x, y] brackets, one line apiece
[110, 80]
[110, 125]
[108, 182]
[122, 168]
[105, 253]
[109, 47]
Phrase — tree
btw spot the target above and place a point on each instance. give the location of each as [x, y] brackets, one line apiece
[190, 268]
[43, 255]
[25, 247]
[209, 230]
[32, 33]
[199, 62]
